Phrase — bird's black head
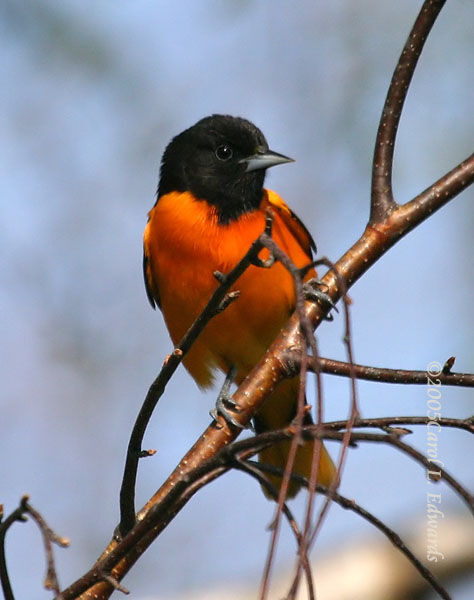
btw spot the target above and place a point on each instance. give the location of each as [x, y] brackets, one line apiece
[221, 160]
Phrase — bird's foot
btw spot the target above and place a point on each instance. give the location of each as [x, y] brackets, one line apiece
[225, 402]
[313, 293]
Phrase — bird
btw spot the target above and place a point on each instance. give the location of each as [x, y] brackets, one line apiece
[210, 206]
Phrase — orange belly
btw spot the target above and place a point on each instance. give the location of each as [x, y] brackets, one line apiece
[186, 244]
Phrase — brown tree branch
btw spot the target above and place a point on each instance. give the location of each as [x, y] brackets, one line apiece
[49, 538]
[255, 471]
[5, 524]
[392, 438]
[163, 511]
[392, 536]
[388, 423]
[310, 531]
[205, 472]
[297, 274]
[310, 341]
[382, 375]
[382, 202]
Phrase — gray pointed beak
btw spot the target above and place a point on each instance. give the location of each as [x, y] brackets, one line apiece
[264, 160]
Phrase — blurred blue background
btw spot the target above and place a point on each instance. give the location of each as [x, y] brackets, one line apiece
[91, 94]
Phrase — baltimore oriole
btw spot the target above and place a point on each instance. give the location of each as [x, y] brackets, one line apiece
[210, 207]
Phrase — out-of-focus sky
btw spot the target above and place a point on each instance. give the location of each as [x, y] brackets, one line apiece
[91, 94]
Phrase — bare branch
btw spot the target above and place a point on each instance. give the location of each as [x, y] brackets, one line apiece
[114, 583]
[392, 438]
[310, 532]
[49, 537]
[255, 471]
[16, 515]
[383, 375]
[393, 537]
[388, 423]
[297, 273]
[383, 203]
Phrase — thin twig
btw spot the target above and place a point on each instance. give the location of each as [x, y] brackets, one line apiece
[393, 438]
[253, 469]
[16, 515]
[166, 507]
[387, 423]
[49, 537]
[310, 535]
[384, 375]
[114, 583]
[393, 537]
[297, 424]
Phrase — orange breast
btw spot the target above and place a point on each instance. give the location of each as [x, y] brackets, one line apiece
[185, 244]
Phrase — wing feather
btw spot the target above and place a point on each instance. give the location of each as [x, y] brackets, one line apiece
[294, 223]
[150, 285]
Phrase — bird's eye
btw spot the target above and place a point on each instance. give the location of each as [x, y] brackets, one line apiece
[224, 152]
